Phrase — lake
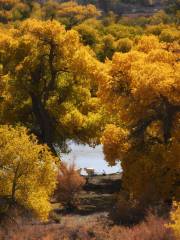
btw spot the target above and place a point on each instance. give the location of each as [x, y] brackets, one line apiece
[87, 157]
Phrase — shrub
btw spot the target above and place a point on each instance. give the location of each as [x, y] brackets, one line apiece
[106, 48]
[154, 29]
[124, 45]
[91, 228]
[88, 33]
[127, 211]
[169, 35]
[153, 228]
[70, 183]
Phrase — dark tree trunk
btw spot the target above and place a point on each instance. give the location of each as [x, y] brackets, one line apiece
[13, 191]
[14, 184]
[44, 121]
[168, 114]
[167, 122]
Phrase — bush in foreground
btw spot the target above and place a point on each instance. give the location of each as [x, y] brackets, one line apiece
[92, 228]
[70, 183]
[153, 228]
[127, 211]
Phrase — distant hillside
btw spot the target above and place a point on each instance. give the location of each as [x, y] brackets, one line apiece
[127, 6]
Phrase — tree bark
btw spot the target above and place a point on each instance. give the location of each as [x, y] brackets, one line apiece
[14, 184]
[44, 121]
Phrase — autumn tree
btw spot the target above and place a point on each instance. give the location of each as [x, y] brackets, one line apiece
[160, 17]
[27, 170]
[173, 7]
[11, 10]
[169, 35]
[123, 31]
[50, 9]
[89, 35]
[124, 45]
[141, 92]
[50, 80]
[70, 13]
[106, 48]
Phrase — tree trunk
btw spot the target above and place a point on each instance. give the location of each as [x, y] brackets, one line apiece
[14, 183]
[43, 120]
[13, 193]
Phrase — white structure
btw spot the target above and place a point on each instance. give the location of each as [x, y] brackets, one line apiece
[90, 171]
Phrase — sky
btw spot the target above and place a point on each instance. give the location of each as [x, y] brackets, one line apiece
[87, 157]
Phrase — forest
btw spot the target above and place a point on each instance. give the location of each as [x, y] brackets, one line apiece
[93, 72]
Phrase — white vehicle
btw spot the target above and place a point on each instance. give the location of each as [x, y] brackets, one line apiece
[90, 171]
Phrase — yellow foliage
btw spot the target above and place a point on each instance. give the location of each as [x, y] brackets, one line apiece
[124, 45]
[11, 10]
[152, 175]
[115, 143]
[49, 67]
[140, 90]
[73, 119]
[72, 13]
[175, 217]
[159, 17]
[169, 35]
[148, 43]
[27, 170]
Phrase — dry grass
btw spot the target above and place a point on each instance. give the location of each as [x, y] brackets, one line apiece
[92, 227]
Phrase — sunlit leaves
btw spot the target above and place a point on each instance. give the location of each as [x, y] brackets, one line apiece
[175, 217]
[141, 89]
[115, 143]
[70, 13]
[48, 65]
[27, 170]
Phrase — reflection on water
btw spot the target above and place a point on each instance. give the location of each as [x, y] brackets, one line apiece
[85, 156]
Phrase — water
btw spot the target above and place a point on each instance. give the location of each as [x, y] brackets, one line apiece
[87, 157]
